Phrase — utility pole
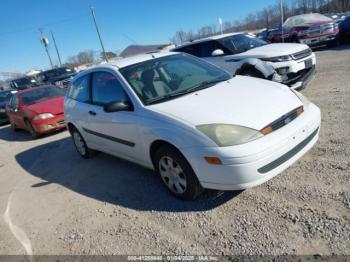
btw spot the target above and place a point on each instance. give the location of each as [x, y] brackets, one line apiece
[220, 22]
[58, 53]
[45, 42]
[282, 19]
[98, 33]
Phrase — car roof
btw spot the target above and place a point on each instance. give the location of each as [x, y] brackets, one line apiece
[214, 37]
[27, 90]
[124, 62]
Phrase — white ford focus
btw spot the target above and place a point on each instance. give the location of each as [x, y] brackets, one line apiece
[194, 123]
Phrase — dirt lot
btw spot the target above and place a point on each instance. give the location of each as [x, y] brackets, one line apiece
[54, 202]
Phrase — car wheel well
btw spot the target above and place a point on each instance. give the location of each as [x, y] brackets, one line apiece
[155, 146]
[70, 127]
[250, 68]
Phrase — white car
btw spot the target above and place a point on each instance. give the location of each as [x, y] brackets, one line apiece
[244, 54]
[194, 123]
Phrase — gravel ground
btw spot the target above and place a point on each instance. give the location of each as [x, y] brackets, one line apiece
[54, 202]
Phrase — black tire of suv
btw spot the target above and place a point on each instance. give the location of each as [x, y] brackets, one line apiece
[89, 153]
[193, 187]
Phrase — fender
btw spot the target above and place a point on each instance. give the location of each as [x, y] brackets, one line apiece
[264, 68]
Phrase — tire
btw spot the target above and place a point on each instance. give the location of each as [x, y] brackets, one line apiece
[80, 145]
[252, 73]
[31, 130]
[13, 127]
[176, 173]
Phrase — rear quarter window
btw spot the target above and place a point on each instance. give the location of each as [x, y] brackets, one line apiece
[80, 89]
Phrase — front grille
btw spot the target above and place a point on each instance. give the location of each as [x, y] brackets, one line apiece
[284, 120]
[302, 54]
[61, 122]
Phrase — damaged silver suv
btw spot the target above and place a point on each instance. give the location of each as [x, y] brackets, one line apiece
[244, 54]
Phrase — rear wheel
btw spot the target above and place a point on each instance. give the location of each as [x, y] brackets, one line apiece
[80, 145]
[31, 130]
[177, 174]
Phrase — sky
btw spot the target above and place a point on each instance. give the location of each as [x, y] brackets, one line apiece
[122, 22]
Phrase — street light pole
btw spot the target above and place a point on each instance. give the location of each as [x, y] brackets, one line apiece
[58, 54]
[98, 33]
[282, 19]
[45, 42]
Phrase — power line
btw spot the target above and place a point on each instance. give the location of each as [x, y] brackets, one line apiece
[32, 28]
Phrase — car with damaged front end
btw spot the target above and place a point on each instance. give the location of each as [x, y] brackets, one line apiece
[244, 54]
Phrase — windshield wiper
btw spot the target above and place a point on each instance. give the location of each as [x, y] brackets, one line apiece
[202, 85]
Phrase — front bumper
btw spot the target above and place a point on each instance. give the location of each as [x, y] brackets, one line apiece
[319, 40]
[48, 125]
[299, 72]
[253, 163]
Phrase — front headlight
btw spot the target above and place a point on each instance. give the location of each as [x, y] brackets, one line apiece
[43, 116]
[2, 110]
[283, 58]
[229, 135]
[302, 98]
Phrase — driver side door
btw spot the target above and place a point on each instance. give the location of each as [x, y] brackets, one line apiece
[114, 132]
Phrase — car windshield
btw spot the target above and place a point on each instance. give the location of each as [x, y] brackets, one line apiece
[305, 19]
[5, 96]
[23, 82]
[39, 94]
[242, 42]
[168, 77]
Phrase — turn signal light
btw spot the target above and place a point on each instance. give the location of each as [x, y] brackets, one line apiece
[266, 130]
[300, 110]
[213, 160]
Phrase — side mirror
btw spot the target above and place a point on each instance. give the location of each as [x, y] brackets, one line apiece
[217, 52]
[117, 106]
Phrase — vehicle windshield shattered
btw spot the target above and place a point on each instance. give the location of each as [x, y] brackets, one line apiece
[305, 19]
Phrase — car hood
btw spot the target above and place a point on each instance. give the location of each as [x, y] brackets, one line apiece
[244, 101]
[273, 50]
[52, 105]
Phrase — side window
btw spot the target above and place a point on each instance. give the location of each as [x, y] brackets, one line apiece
[206, 48]
[80, 89]
[190, 49]
[106, 88]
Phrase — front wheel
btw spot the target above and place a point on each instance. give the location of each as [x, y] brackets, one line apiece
[177, 174]
[31, 130]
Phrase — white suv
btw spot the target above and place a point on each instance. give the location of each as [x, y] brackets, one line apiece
[194, 123]
[244, 54]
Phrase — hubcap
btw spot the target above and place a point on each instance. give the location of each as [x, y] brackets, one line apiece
[79, 143]
[172, 175]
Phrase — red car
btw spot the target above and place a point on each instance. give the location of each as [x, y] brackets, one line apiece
[310, 29]
[37, 110]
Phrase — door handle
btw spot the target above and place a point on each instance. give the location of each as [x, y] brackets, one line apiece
[92, 113]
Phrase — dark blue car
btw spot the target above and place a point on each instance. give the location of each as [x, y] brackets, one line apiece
[344, 30]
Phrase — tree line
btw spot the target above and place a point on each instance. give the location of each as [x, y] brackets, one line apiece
[269, 18]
